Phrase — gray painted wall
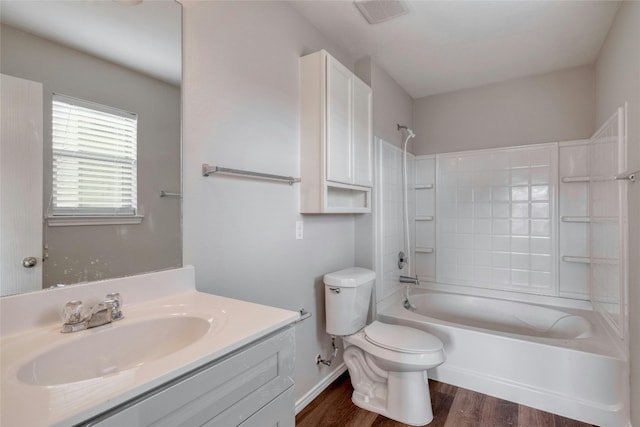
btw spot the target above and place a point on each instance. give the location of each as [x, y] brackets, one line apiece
[618, 80]
[549, 107]
[241, 110]
[86, 253]
[391, 104]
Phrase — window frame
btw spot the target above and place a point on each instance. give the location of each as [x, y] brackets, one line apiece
[63, 216]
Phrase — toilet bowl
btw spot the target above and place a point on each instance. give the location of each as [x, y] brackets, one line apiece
[387, 363]
[390, 379]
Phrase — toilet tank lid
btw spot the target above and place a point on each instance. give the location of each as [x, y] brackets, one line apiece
[349, 277]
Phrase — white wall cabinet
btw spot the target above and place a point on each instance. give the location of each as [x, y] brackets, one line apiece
[250, 387]
[336, 144]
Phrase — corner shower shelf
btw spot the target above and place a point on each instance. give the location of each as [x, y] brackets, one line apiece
[580, 259]
[587, 260]
[424, 250]
[164, 193]
[424, 218]
[604, 219]
[575, 219]
[573, 179]
[607, 261]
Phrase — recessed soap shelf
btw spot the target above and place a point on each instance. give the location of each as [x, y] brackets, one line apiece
[424, 250]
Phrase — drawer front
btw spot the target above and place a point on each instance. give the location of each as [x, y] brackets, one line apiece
[232, 390]
[279, 413]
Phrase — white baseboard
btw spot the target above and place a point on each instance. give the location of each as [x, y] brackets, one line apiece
[319, 388]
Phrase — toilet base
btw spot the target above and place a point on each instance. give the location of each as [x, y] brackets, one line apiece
[400, 396]
[409, 405]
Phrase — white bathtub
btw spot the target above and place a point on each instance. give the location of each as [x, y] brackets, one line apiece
[557, 360]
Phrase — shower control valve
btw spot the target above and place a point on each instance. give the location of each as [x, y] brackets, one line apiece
[401, 260]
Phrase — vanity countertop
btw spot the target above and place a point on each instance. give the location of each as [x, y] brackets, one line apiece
[232, 325]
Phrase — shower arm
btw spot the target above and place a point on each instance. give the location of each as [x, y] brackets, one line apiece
[407, 129]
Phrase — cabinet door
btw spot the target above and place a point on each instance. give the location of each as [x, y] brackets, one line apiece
[339, 123]
[362, 137]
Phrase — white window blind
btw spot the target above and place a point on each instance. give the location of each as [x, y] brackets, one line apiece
[94, 159]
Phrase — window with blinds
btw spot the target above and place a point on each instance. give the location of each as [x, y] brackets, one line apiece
[94, 159]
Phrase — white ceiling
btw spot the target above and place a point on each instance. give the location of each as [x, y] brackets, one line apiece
[145, 36]
[442, 46]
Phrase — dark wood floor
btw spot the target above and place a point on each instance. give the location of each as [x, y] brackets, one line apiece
[452, 407]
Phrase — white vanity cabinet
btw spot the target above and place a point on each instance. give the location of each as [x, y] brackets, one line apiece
[336, 141]
[250, 387]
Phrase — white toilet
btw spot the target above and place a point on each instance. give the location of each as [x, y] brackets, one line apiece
[387, 363]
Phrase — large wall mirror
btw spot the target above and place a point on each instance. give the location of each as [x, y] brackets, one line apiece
[119, 55]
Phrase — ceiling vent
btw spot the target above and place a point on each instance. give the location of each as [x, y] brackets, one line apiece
[376, 11]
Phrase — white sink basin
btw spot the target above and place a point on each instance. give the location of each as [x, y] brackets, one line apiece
[112, 349]
[53, 379]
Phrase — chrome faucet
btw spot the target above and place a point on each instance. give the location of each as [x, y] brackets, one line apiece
[407, 279]
[407, 298]
[77, 318]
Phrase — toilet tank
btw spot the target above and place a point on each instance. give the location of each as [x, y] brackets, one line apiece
[346, 298]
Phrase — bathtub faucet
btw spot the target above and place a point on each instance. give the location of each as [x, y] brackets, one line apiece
[407, 299]
[407, 279]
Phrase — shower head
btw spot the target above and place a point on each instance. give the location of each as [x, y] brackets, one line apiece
[410, 133]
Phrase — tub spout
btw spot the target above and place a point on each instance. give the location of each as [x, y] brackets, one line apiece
[407, 298]
[407, 279]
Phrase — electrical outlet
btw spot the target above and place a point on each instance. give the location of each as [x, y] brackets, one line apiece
[299, 229]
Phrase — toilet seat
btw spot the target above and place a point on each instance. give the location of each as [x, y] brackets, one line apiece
[402, 339]
[398, 359]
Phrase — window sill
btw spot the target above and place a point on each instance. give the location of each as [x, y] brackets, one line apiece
[64, 221]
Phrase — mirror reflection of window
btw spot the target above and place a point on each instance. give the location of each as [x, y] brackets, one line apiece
[94, 159]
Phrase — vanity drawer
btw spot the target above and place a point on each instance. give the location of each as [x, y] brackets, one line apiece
[224, 393]
[279, 413]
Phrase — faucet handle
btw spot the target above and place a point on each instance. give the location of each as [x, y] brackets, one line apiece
[115, 296]
[116, 304]
[73, 312]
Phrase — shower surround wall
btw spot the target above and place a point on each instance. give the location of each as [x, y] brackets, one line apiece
[496, 214]
[505, 222]
[512, 220]
[608, 220]
[545, 219]
[389, 224]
